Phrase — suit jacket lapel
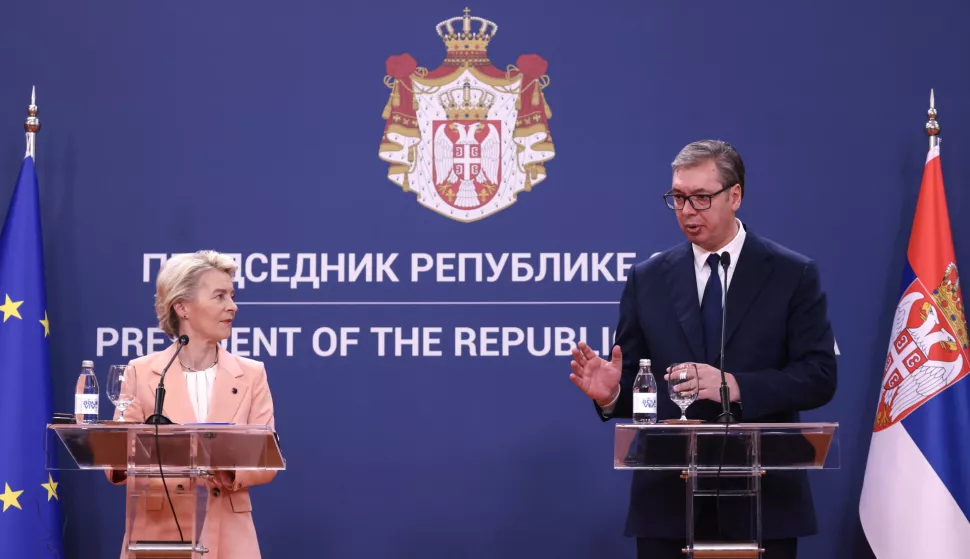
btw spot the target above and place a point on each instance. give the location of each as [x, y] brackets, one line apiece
[753, 270]
[682, 283]
[228, 389]
[177, 406]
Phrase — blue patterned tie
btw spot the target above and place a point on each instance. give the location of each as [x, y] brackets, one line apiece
[711, 311]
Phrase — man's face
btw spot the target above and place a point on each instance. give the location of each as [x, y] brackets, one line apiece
[713, 227]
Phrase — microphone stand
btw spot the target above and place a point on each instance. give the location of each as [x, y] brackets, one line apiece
[726, 416]
[157, 418]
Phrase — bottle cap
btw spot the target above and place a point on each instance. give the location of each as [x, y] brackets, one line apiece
[87, 364]
[644, 362]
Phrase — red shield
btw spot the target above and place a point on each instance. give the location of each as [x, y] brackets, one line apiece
[467, 161]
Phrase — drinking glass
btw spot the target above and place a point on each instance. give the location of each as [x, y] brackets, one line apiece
[121, 387]
[683, 376]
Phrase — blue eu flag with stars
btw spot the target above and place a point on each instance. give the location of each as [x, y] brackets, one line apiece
[30, 508]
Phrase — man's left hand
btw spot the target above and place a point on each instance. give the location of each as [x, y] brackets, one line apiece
[708, 382]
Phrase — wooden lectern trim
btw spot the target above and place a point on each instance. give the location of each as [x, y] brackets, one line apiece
[725, 550]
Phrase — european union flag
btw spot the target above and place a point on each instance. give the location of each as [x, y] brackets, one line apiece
[30, 519]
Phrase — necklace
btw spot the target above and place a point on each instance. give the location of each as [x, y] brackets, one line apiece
[191, 370]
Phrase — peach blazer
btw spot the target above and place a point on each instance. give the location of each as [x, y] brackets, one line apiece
[241, 395]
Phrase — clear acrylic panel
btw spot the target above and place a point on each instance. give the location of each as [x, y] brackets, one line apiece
[183, 448]
[732, 449]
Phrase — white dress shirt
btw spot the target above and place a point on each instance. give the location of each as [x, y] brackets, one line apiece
[702, 272]
[199, 385]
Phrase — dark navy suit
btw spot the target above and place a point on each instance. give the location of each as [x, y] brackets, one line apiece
[779, 346]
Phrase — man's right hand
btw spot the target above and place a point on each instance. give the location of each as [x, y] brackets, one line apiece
[597, 378]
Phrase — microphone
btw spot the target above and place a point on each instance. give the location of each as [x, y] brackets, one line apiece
[725, 416]
[157, 418]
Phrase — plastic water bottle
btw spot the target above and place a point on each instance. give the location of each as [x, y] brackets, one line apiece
[645, 395]
[86, 395]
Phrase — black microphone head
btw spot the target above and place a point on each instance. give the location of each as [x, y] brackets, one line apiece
[725, 259]
[183, 339]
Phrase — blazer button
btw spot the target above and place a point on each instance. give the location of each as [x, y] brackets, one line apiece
[179, 487]
[216, 492]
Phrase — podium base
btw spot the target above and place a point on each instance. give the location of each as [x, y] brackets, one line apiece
[158, 419]
[163, 550]
[724, 550]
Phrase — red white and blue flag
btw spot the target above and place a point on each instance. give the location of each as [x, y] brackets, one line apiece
[916, 493]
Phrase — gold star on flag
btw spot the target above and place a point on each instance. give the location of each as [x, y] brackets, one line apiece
[10, 309]
[9, 497]
[51, 487]
[47, 325]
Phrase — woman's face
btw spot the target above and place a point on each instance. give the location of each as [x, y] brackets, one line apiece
[208, 317]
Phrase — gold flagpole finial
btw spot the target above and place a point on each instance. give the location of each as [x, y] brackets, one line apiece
[32, 124]
[932, 126]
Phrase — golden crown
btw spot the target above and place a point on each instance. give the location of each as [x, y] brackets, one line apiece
[466, 40]
[947, 296]
[466, 102]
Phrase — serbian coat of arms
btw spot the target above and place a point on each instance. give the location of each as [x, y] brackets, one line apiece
[467, 137]
[928, 348]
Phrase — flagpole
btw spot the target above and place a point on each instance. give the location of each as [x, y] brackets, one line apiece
[932, 126]
[32, 124]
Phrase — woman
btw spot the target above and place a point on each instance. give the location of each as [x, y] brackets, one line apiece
[194, 297]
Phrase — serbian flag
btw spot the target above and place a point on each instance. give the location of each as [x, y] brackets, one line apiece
[916, 493]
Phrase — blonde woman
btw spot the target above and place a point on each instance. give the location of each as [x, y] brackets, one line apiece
[205, 383]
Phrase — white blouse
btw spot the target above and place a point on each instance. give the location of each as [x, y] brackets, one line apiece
[200, 391]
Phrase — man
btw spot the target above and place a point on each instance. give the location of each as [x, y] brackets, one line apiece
[779, 352]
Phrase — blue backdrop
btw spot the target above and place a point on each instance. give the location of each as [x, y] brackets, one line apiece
[253, 128]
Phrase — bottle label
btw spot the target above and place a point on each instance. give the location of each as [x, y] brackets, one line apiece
[645, 402]
[85, 404]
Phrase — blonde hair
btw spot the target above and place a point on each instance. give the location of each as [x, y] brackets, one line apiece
[178, 280]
